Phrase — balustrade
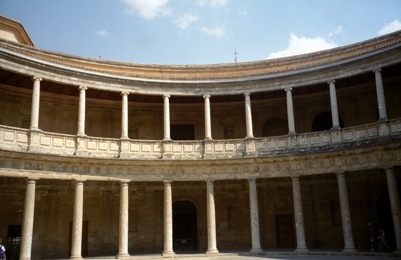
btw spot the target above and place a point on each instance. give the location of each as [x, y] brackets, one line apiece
[18, 139]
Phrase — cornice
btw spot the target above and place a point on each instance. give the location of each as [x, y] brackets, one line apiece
[224, 72]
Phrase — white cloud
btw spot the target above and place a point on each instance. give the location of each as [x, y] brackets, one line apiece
[337, 30]
[300, 45]
[217, 31]
[185, 20]
[148, 9]
[102, 33]
[390, 27]
[213, 3]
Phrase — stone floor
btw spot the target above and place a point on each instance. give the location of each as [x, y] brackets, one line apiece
[279, 255]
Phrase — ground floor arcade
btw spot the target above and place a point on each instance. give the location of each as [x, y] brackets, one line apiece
[62, 218]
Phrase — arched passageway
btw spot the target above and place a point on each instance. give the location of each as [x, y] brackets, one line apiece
[185, 235]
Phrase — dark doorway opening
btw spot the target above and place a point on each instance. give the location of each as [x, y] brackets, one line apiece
[385, 219]
[323, 122]
[182, 132]
[185, 235]
[285, 231]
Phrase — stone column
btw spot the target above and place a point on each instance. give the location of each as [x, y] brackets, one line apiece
[168, 220]
[123, 224]
[381, 101]
[290, 112]
[395, 207]
[82, 111]
[27, 222]
[211, 219]
[299, 215]
[248, 116]
[166, 117]
[35, 104]
[76, 243]
[208, 128]
[333, 103]
[124, 115]
[254, 211]
[345, 214]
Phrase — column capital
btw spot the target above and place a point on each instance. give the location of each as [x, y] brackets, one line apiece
[34, 78]
[82, 87]
[295, 176]
[209, 180]
[247, 94]
[166, 95]
[332, 81]
[252, 179]
[79, 180]
[124, 181]
[167, 181]
[206, 96]
[339, 173]
[377, 70]
[286, 89]
[124, 93]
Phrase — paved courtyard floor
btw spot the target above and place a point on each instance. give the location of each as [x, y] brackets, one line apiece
[279, 255]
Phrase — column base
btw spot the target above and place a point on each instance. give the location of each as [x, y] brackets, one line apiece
[77, 257]
[123, 256]
[256, 251]
[349, 250]
[213, 251]
[168, 253]
[301, 250]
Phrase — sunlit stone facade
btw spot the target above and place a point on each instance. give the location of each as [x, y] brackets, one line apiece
[104, 158]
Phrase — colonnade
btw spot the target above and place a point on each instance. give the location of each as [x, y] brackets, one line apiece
[207, 111]
[76, 246]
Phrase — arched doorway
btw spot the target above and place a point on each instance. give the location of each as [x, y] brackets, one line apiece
[323, 122]
[185, 235]
[385, 219]
[274, 127]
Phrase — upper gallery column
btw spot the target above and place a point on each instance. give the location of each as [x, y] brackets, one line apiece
[395, 206]
[290, 112]
[254, 214]
[211, 219]
[82, 110]
[77, 219]
[345, 214]
[208, 126]
[166, 117]
[35, 104]
[124, 115]
[299, 215]
[123, 224]
[248, 116]
[27, 222]
[168, 220]
[333, 103]
[381, 101]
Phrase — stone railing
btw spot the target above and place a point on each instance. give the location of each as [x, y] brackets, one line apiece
[18, 139]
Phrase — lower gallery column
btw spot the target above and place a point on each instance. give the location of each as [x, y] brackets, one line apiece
[345, 214]
[76, 241]
[123, 224]
[168, 220]
[299, 215]
[254, 211]
[27, 222]
[395, 207]
[211, 219]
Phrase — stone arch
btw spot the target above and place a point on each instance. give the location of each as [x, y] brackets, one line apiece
[275, 126]
[323, 121]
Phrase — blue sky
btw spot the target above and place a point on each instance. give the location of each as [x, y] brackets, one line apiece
[200, 31]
